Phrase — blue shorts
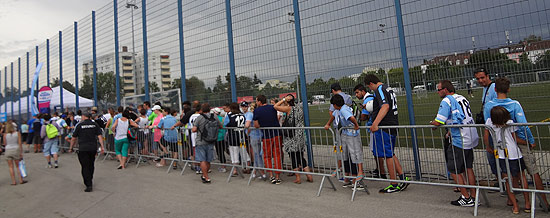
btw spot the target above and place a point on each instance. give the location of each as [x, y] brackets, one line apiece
[383, 144]
[204, 153]
[50, 147]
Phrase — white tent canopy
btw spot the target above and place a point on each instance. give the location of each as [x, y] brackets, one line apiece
[69, 101]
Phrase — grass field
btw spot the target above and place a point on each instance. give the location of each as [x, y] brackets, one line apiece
[534, 98]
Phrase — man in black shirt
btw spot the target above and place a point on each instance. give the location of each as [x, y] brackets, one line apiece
[88, 133]
[385, 114]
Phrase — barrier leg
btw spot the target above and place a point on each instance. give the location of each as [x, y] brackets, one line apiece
[252, 174]
[138, 162]
[170, 166]
[323, 182]
[533, 204]
[541, 203]
[231, 174]
[476, 203]
[184, 166]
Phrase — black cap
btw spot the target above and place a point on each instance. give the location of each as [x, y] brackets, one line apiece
[244, 104]
[87, 114]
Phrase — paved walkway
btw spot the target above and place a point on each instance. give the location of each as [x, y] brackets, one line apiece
[150, 192]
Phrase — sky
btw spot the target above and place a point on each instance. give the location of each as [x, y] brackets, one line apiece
[26, 23]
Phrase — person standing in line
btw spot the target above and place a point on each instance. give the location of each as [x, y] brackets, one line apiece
[88, 134]
[483, 79]
[255, 140]
[385, 114]
[120, 127]
[502, 87]
[266, 116]
[336, 89]
[50, 134]
[454, 109]
[206, 127]
[25, 134]
[12, 144]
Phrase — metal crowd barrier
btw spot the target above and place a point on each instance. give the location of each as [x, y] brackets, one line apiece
[536, 159]
[429, 167]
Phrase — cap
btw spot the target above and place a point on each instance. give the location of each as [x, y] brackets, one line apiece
[94, 108]
[156, 107]
[217, 110]
[89, 115]
[63, 115]
[244, 104]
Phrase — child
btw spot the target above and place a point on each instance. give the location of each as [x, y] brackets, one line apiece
[500, 118]
[350, 140]
[235, 137]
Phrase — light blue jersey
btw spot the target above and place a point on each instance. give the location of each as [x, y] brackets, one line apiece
[490, 94]
[455, 110]
[342, 117]
[516, 114]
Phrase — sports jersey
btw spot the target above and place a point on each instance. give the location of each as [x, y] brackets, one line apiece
[366, 100]
[341, 118]
[383, 96]
[192, 119]
[516, 114]
[511, 146]
[235, 120]
[455, 109]
[489, 94]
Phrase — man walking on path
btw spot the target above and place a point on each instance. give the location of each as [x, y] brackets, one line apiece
[88, 134]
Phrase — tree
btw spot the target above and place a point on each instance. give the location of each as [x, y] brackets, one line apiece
[66, 85]
[153, 87]
[530, 39]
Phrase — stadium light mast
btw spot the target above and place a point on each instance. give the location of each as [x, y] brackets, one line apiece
[132, 5]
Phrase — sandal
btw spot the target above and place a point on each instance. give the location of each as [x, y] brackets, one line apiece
[204, 180]
[458, 190]
[13, 184]
[24, 181]
[527, 210]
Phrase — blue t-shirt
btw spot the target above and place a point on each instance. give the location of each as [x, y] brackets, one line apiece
[267, 117]
[31, 130]
[167, 122]
[342, 117]
[149, 112]
[119, 115]
[516, 114]
[490, 94]
[255, 133]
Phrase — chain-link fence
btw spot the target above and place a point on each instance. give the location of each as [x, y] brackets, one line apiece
[234, 50]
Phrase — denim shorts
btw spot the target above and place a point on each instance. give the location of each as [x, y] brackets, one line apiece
[204, 153]
[50, 147]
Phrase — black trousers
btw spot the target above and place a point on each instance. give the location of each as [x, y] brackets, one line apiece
[87, 159]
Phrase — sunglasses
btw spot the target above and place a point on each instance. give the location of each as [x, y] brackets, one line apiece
[439, 90]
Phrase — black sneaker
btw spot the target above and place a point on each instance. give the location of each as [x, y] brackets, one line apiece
[404, 185]
[278, 182]
[463, 202]
[347, 185]
[375, 173]
[390, 189]
[273, 180]
[88, 189]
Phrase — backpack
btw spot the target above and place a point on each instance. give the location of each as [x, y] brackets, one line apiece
[132, 134]
[356, 110]
[209, 133]
[36, 126]
[51, 131]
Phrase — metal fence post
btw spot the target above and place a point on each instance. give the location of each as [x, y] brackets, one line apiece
[145, 52]
[302, 69]
[182, 52]
[405, 63]
[60, 70]
[94, 59]
[47, 62]
[29, 94]
[19, 85]
[11, 94]
[117, 64]
[76, 64]
[231, 51]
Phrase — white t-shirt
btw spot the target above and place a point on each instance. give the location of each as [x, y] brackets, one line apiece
[190, 126]
[513, 151]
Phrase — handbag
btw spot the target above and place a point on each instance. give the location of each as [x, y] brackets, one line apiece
[480, 118]
[287, 123]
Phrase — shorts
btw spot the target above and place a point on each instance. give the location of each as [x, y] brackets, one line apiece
[235, 152]
[13, 154]
[529, 160]
[50, 147]
[24, 137]
[37, 139]
[204, 153]
[516, 166]
[352, 148]
[383, 144]
[459, 159]
[29, 138]
[172, 146]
